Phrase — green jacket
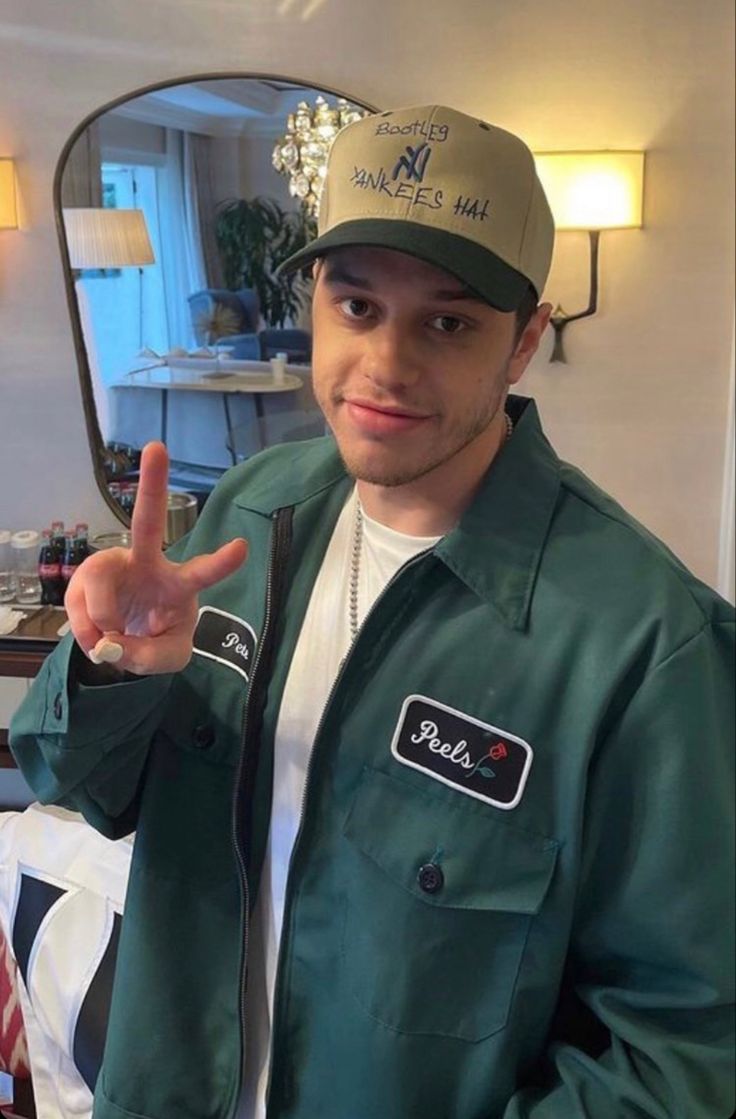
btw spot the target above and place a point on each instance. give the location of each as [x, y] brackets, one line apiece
[548, 936]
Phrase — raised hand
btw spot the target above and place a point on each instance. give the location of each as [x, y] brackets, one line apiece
[135, 607]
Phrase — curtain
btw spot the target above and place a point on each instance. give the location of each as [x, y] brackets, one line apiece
[183, 264]
[186, 220]
[201, 203]
[82, 181]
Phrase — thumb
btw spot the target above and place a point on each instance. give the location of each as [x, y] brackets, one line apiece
[204, 571]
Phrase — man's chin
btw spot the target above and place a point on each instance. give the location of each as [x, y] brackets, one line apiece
[369, 468]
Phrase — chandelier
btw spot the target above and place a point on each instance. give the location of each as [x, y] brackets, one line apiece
[302, 153]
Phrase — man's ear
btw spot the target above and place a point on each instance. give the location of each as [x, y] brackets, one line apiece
[528, 343]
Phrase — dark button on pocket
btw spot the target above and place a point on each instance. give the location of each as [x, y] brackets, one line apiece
[430, 878]
[58, 706]
[204, 736]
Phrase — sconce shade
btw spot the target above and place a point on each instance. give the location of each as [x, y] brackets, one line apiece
[8, 207]
[593, 190]
[105, 238]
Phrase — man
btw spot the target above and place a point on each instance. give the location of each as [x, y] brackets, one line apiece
[432, 796]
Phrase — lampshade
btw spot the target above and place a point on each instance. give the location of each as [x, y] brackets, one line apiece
[104, 238]
[593, 190]
[8, 208]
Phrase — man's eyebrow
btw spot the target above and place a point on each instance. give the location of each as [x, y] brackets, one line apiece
[336, 274]
[459, 293]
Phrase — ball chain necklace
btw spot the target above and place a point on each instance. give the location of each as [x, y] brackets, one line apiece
[358, 546]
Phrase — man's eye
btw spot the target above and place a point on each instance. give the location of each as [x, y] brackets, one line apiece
[355, 308]
[448, 324]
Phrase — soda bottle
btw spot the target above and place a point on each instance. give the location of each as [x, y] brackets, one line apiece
[81, 533]
[49, 572]
[70, 561]
[58, 539]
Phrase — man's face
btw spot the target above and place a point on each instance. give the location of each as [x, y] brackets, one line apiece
[410, 369]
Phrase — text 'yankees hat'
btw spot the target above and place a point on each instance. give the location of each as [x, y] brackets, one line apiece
[442, 186]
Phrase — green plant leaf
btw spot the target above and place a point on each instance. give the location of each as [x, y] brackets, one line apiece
[254, 236]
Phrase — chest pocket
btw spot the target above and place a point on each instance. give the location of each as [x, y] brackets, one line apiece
[440, 899]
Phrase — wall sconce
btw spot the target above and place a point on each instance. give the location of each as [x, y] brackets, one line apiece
[590, 191]
[106, 238]
[8, 205]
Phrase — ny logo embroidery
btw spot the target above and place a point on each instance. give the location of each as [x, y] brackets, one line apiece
[414, 162]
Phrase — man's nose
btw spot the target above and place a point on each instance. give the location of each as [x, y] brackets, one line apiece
[390, 359]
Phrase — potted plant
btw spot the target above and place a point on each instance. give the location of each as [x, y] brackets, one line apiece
[254, 236]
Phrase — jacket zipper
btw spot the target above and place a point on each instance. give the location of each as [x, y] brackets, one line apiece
[307, 775]
[247, 763]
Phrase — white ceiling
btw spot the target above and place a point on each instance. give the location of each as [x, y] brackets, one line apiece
[222, 106]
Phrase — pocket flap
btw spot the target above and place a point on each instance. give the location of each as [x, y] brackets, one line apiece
[204, 712]
[486, 863]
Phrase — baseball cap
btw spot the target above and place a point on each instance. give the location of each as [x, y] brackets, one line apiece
[445, 187]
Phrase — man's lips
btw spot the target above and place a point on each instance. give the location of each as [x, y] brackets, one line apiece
[380, 419]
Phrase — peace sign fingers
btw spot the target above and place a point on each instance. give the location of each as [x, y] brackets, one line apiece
[148, 523]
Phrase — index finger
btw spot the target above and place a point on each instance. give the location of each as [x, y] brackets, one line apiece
[148, 523]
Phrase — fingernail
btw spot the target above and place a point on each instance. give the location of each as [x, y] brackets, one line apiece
[108, 651]
[93, 657]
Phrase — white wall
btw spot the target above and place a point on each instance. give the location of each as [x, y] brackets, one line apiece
[257, 174]
[119, 133]
[241, 168]
[643, 403]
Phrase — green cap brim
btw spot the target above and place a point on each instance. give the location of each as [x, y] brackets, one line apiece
[496, 282]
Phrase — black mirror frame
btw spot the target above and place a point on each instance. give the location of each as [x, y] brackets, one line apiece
[94, 435]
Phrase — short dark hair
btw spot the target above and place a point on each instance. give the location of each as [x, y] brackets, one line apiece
[524, 311]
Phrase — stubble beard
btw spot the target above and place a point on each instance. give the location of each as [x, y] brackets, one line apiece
[455, 440]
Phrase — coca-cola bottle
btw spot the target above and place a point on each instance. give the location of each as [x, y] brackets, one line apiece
[76, 550]
[81, 533]
[49, 572]
[69, 562]
[58, 538]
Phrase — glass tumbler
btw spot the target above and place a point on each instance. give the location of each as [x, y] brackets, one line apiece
[25, 547]
[7, 582]
[278, 368]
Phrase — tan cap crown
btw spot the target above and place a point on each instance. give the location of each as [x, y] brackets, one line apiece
[445, 187]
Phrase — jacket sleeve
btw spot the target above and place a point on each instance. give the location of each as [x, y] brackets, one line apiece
[652, 951]
[85, 748]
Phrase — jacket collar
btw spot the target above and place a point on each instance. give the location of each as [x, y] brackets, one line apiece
[497, 545]
[276, 481]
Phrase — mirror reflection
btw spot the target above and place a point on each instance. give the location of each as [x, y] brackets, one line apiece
[178, 206]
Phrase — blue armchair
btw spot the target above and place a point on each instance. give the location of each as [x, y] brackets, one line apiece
[248, 342]
[245, 311]
[296, 344]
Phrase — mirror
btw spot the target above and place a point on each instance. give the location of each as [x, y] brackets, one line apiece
[171, 219]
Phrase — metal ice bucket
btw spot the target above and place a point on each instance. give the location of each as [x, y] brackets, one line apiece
[181, 514]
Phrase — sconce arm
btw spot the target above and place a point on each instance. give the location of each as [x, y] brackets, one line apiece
[559, 320]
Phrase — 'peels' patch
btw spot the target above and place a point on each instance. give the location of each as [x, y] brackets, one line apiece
[225, 638]
[473, 757]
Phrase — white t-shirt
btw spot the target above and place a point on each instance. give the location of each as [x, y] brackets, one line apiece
[326, 627]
